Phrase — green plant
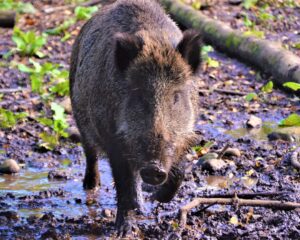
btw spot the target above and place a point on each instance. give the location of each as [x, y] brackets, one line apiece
[9, 119]
[18, 6]
[251, 96]
[84, 13]
[247, 4]
[57, 123]
[28, 43]
[291, 120]
[59, 83]
[292, 85]
[268, 88]
[205, 57]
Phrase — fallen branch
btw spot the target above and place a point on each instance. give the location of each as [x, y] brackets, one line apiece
[295, 159]
[7, 19]
[72, 6]
[266, 55]
[237, 202]
[221, 154]
[248, 195]
[12, 90]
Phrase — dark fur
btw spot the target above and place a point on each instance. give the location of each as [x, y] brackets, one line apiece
[133, 96]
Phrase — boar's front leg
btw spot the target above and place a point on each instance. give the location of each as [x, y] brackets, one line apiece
[127, 185]
[167, 191]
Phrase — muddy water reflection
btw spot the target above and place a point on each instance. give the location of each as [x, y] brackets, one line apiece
[74, 202]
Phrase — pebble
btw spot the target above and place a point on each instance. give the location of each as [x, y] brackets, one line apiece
[206, 157]
[274, 136]
[106, 213]
[213, 165]
[254, 122]
[66, 103]
[59, 174]
[9, 166]
[232, 152]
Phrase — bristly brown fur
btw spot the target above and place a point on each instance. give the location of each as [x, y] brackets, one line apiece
[133, 96]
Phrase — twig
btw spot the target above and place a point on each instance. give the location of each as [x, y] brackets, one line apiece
[295, 159]
[221, 154]
[247, 195]
[223, 91]
[12, 90]
[235, 201]
[230, 92]
[72, 6]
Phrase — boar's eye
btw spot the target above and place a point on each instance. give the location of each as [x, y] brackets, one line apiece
[176, 97]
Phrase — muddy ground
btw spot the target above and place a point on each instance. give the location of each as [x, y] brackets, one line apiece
[34, 206]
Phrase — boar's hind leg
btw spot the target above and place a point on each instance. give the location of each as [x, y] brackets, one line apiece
[92, 177]
[167, 191]
[128, 192]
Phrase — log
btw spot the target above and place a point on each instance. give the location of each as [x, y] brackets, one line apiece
[268, 56]
[7, 19]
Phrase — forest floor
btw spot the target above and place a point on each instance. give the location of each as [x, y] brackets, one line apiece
[46, 199]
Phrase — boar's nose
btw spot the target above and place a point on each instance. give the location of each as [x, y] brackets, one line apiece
[153, 175]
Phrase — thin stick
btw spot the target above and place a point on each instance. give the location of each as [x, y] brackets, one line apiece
[72, 6]
[235, 201]
[230, 92]
[221, 154]
[12, 90]
[248, 195]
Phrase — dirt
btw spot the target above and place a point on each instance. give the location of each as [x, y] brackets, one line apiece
[45, 200]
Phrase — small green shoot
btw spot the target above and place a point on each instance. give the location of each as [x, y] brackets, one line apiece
[290, 121]
[251, 97]
[28, 43]
[9, 119]
[292, 85]
[268, 88]
[204, 54]
[17, 6]
[296, 45]
[247, 4]
[58, 123]
[84, 13]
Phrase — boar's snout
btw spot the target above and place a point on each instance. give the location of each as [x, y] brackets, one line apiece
[153, 174]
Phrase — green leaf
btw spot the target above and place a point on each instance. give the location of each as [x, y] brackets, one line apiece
[292, 85]
[62, 88]
[24, 68]
[212, 63]
[251, 96]
[247, 4]
[268, 88]
[9, 119]
[49, 141]
[254, 33]
[84, 13]
[45, 121]
[297, 45]
[36, 82]
[291, 120]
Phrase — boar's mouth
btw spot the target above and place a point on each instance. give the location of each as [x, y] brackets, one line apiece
[154, 174]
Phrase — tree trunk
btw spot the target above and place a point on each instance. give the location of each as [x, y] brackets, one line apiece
[268, 56]
[7, 19]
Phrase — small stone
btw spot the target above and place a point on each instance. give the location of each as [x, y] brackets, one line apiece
[214, 165]
[232, 152]
[206, 157]
[274, 136]
[59, 174]
[66, 103]
[254, 122]
[9, 166]
[106, 213]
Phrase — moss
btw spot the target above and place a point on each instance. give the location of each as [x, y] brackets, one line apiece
[233, 41]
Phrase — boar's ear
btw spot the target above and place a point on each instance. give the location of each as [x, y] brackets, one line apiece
[189, 48]
[127, 47]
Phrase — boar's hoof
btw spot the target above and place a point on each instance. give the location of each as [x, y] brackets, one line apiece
[153, 175]
[125, 222]
[90, 183]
